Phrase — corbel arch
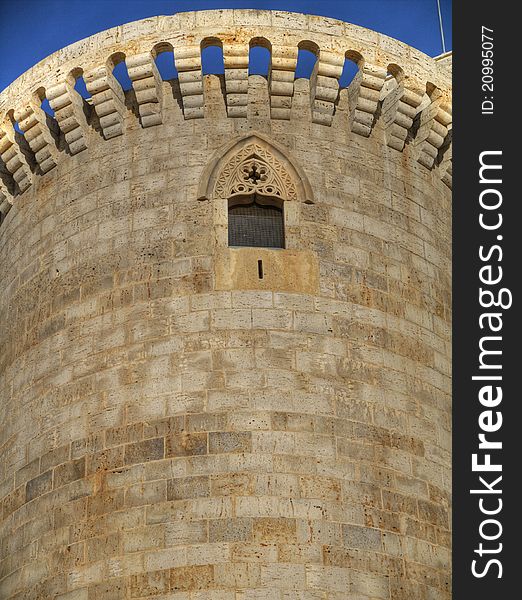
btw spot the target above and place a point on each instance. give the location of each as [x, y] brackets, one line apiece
[254, 164]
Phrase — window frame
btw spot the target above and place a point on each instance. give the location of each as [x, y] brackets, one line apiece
[261, 200]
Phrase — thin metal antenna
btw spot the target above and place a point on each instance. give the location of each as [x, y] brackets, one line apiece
[441, 28]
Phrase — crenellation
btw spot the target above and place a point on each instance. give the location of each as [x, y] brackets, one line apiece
[34, 122]
[147, 85]
[435, 122]
[446, 160]
[301, 107]
[13, 157]
[364, 93]
[282, 32]
[67, 105]
[214, 107]
[282, 75]
[108, 99]
[188, 65]
[6, 201]
[258, 105]
[400, 106]
[235, 57]
[326, 88]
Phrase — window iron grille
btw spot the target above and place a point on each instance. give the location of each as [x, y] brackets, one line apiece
[256, 225]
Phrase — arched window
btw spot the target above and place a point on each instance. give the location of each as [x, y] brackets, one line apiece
[254, 187]
[256, 221]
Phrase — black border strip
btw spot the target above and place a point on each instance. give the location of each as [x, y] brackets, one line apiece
[476, 133]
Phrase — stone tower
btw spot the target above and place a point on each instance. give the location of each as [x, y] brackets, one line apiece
[187, 418]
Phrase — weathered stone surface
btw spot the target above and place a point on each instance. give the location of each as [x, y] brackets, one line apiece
[178, 424]
[39, 485]
[140, 452]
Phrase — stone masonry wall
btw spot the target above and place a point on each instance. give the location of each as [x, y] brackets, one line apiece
[168, 436]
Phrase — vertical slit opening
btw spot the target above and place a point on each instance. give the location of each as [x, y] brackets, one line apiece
[260, 269]
[350, 70]
[50, 117]
[259, 57]
[21, 142]
[164, 58]
[122, 75]
[7, 179]
[81, 88]
[430, 95]
[307, 53]
[46, 107]
[212, 62]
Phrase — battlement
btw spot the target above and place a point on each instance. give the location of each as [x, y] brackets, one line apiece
[398, 88]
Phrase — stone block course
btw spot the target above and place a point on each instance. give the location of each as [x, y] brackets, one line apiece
[188, 487]
[187, 444]
[224, 441]
[153, 449]
[39, 485]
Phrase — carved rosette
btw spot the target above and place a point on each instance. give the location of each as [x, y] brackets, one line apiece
[255, 170]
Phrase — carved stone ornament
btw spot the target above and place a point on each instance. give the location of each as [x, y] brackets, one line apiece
[255, 170]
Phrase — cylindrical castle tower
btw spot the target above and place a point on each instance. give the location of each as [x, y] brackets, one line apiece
[225, 318]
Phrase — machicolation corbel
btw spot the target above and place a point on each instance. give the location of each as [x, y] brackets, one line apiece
[398, 93]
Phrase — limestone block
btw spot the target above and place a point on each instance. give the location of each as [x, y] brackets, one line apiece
[108, 100]
[326, 88]
[445, 166]
[6, 201]
[13, 158]
[147, 85]
[364, 94]
[68, 111]
[284, 62]
[238, 268]
[435, 122]
[235, 57]
[33, 122]
[188, 65]
[399, 108]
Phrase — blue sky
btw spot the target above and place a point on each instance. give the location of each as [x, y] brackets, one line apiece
[30, 30]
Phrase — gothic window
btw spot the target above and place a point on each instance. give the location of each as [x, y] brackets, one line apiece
[254, 186]
[254, 217]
